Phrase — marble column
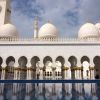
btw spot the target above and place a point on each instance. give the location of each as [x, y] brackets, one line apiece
[76, 74]
[29, 70]
[92, 70]
[41, 76]
[68, 77]
[16, 70]
[66, 72]
[53, 71]
[79, 69]
[3, 74]
[41, 70]
[79, 76]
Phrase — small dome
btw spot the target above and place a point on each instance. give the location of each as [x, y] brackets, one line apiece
[88, 30]
[48, 30]
[8, 30]
[98, 27]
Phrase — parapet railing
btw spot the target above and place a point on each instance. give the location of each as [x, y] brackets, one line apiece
[62, 39]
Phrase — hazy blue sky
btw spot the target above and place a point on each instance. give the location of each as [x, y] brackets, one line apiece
[66, 15]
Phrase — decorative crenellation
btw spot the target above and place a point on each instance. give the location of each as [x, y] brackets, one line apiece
[63, 39]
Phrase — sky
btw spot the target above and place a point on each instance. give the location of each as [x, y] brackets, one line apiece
[66, 15]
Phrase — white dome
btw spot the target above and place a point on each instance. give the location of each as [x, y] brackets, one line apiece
[88, 30]
[8, 30]
[48, 30]
[98, 27]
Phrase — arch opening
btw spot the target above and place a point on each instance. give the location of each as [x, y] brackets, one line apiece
[61, 60]
[96, 61]
[10, 61]
[22, 61]
[47, 61]
[85, 58]
[34, 61]
[85, 61]
[1, 61]
[73, 61]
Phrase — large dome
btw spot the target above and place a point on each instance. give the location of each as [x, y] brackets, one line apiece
[98, 27]
[8, 30]
[48, 30]
[88, 30]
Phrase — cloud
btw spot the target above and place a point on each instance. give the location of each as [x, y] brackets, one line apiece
[23, 23]
[66, 15]
[72, 17]
[89, 11]
[29, 8]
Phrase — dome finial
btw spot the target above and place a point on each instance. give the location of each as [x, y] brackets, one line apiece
[49, 21]
[89, 21]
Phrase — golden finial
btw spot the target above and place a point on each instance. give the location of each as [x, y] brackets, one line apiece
[49, 21]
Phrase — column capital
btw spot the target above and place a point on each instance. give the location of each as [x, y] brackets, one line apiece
[67, 64]
[28, 62]
[41, 64]
[91, 63]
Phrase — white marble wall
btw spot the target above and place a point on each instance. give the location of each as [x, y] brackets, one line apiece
[54, 50]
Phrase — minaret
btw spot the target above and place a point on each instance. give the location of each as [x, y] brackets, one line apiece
[36, 27]
[5, 11]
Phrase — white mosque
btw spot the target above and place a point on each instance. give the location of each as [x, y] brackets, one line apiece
[46, 55]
